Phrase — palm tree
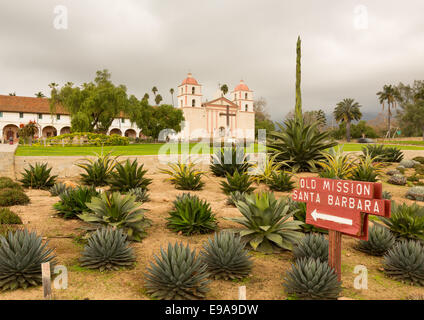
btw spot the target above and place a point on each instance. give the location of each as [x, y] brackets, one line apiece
[347, 111]
[224, 89]
[154, 90]
[146, 97]
[391, 95]
[158, 99]
[172, 95]
[39, 94]
[12, 94]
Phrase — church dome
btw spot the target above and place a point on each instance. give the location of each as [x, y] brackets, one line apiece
[241, 87]
[189, 80]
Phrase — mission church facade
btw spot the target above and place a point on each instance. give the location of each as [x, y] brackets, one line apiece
[219, 117]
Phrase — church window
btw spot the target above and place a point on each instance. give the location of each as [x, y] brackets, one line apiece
[122, 120]
[181, 103]
[58, 117]
[246, 107]
[21, 115]
[193, 90]
[245, 96]
[1, 114]
[182, 90]
[40, 116]
[193, 103]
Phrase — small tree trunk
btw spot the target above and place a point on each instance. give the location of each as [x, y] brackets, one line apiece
[348, 131]
[388, 120]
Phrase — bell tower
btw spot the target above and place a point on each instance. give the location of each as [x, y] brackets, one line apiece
[243, 97]
[189, 93]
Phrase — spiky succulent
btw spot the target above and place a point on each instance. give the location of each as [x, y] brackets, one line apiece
[128, 175]
[228, 160]
[405, 262]
[191, 216]
[74, 201]
[241, 182]
[235, 196]
[38, 177]
[107, 249]
[312, 245]
[140, 194]
[386, 195]
[97, 170]
[178, 274]
[311, 278]
[58, 189]
[384, 153]
[184, 176]
[21, 256]
[226, 257]
[380, 239]
[280, 181]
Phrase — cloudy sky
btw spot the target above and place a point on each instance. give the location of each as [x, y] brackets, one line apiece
[349, 48]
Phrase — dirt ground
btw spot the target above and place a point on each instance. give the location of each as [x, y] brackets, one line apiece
[265, 281]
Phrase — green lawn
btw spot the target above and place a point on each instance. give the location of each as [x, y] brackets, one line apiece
[358, 147]
[133, 149]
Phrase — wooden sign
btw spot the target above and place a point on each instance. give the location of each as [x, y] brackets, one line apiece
[342, 207]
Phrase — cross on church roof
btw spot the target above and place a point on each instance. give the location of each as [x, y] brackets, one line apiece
[228, 115]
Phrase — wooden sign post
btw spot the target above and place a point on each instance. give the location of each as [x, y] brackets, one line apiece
[342, 207]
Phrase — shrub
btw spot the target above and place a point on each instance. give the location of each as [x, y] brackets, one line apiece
[107, 249]
[312, 245]
[184, 176]
[88, 138]
[386, 195]
[262, 172]
[178, 274]
[9, 217]
[191, 215]
[38, 177]
[140, 194]
[21, 256]
[406, 221]
[300, 144]
[118, 211]
[405, 262]
[229, 160]
[235, 196]
[9, 183]
[280, 181]
[336, 165]
[368, 169]
[97, 170]
[383, 153]
[419, 159]
[58, 189]
[397, 179]
[311, 278]
[12, 197]
[237, 182]
[128, 176]
[5, 229]
[73, 202]
[266, 220]
[380, 240]
[415, 193]
[226, 257]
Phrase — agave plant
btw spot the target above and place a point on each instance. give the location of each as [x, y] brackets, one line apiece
[128, 176]
[267, 223]
[229, 160]
[299, 209]
[368, 169]
[280, 181]
[405, 262]
[336, 165]
[226, 257]
[262, 172]
[241, 182]
[406, 221]
[140, 194]
[235, 196]
[184, 176]
[74, 201]
[380, 240]
[58, 189]
[118, 211]
[21, 256]
[98, 170]
[178, 274]
[383, 153]
[301, 145]
[191, 215]
[312, 245]
[38, 177]
[311, 278]
[107, 249]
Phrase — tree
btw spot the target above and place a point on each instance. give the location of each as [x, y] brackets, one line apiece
[259, 108]
[414, 115]
[347, 111]
[92, 106]
[298, 106]
[154, 90]
[317, 116]
[409, 94]
[224, 89]
[158, 99]
[39, 94]
[146, 97]
[12, 94]
[171, 91]
[391, 95]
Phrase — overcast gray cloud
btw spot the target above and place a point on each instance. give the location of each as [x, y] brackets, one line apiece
[147, 43]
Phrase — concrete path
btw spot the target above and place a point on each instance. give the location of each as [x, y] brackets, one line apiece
[7, 160]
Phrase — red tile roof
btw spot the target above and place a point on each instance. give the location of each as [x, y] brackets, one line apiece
[189, 80]
[242, 86]
[27, 105]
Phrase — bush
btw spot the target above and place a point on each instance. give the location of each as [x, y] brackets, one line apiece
[267, 222]
[74, 201]
[9, 217]
[184, 176]
[12, 197]
[229, 160]
[86, 138]
[280, 181]
[38, 177]
[191, 215]
[97, 170]
[312, 245]
[237, 182]
[118, 211]
[128, 176]
[9, 183]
